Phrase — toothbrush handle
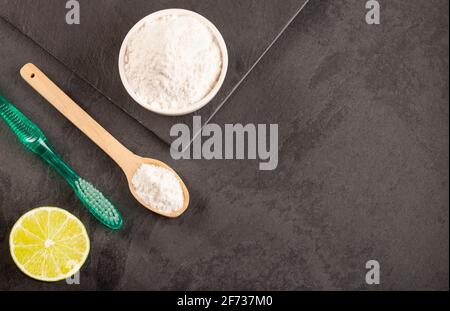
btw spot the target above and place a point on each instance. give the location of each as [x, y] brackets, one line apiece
[32, 138]
[55, 161]
[65, 105]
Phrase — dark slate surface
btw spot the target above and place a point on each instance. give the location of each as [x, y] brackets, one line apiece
[363, 172]
[363, 115]
[92, 49]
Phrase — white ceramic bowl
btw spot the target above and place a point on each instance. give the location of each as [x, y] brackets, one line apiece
[200, 104]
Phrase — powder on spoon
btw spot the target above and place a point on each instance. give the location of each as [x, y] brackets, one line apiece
[159, 188]
[172, 62]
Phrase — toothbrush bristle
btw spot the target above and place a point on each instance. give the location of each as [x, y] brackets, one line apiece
[101, 207]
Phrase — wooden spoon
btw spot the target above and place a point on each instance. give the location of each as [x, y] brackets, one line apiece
[128, 161]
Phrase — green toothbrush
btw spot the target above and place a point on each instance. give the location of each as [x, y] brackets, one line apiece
[31, 136]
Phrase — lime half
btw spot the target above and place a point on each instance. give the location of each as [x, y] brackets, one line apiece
[49, 244]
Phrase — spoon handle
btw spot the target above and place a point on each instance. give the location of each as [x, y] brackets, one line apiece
[75, 114]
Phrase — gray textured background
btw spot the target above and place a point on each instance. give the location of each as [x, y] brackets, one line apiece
[363, 172]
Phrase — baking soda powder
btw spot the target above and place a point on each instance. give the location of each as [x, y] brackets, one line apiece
[159, 188]
[172, 62]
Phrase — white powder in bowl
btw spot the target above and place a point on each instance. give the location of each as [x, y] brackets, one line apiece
[172, 62]
[159, 188]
